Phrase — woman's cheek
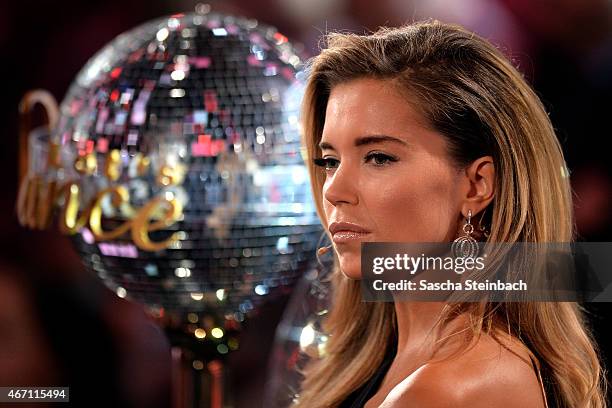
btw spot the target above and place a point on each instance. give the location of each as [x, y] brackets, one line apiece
[411, 213]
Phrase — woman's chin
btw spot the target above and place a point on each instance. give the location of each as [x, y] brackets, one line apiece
[352, 274]
[350, 266]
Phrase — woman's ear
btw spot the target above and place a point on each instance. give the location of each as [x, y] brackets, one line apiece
[480, 175]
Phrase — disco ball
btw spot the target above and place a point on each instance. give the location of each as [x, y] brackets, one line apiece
[177, 168]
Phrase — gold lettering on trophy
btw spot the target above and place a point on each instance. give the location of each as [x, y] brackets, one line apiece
[112, 167]
[142, 164]
[38, 197]
[86, 164]
[119, 195]
[170, 174]
[70, 219]
[26, 201]
[45, 204]
[142, 224]
[40, 189]
[30, 203]
[54, 159]
[35, 201]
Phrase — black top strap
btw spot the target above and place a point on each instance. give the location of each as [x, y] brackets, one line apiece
[361, 395]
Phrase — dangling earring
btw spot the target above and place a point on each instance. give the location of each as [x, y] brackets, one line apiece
[466, 246]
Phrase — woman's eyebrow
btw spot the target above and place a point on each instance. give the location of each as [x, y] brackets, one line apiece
[365, 140]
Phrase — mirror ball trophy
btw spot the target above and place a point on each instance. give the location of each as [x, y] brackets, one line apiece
[174, 162]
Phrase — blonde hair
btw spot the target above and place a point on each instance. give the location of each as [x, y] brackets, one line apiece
[469, 92]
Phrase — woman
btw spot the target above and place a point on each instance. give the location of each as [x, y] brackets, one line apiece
[409, 132]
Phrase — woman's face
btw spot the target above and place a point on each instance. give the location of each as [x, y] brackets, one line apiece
[385, 172]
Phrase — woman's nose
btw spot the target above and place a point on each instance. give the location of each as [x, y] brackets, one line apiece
[341, 187]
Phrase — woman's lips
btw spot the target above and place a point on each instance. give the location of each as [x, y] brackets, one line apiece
[345, 237]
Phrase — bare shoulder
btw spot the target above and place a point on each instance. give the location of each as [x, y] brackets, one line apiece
[488, 375]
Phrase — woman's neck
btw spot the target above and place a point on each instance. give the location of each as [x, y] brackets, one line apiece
[416, 326]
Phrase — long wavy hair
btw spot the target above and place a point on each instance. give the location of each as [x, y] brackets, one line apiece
[469, 92]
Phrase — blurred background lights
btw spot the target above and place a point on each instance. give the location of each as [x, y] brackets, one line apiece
[261, 290]
[200, 333]
[162, 34]
[220, 293]
[197, 295]
[217, 332]
[182, 272]
[121, 292]
[307, 336]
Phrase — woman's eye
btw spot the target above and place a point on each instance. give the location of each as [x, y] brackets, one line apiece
[380, 159]
[326, 163]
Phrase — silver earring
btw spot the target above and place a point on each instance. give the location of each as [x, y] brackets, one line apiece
[466, 246]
